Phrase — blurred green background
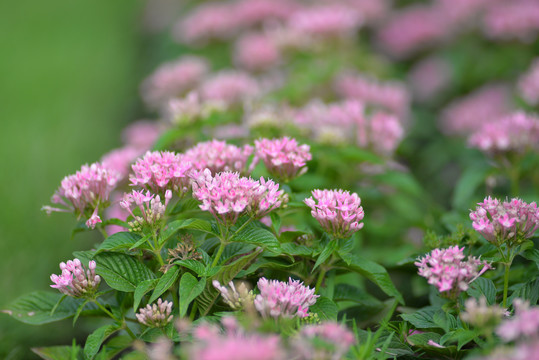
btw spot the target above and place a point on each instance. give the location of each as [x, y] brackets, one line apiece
[69, 75]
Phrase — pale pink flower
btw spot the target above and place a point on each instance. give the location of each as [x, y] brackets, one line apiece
[230, 87]
[120, 160]
[284, 158]
[327, 21]
[156, 315]
[230, 131]
[141, 134]
[461, 12]
[191, 108]
[219, 156]
[528, 84]
[338, 212]
[93, 220]
[236, 296]
[173, 79]
[447, 270]
[524, 324]
[76, 280]
[256, 52]
[516, 19]
[385, 133]
[115, 211]
[481, 315]
[152, 210]
[253, 12]
[508, 221]
[517, 132]
[371, 11]
[159, 171]
[284, 299]
[429, 77]
[328, 340]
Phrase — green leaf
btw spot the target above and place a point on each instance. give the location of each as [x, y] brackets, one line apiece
[533, 255]
[165, 282]
[142, 288]
[375, 273]
[325, 309]
[119, 241]
[275, 222]
[330, 247]
[190, 288]
[193, 265]
[79, 311]
[460, 336]
[423, 339]
[121, 272]
[114, 346]
[345, 292]
[35, 308]
[483, 287]
[444, 320]
[95, 339]
[422, 319]
[258, 236]
[468, 183]
[528, 291]
[141, 242]
[59, 352]
[294, 249]
[189, 224]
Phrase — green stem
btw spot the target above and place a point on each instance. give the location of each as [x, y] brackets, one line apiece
[193, 311]
[320, 279]
[103, 231]
[240, 228]
[157, 249]
[219, 253]
[514, 176]
[505, 284]
[104, 309]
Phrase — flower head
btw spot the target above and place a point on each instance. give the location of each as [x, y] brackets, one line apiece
[447, 270]
[523, 324]
[481, 315]
[284, 299]
[141, 134]
[156, 315]
[338, 212]
[237, 297]
[152, 210]
[76, 280]
[328, 21]
[528, 84]
[219, 156]
[518, 19]
[329, 340]
[120, 160]
[284, 158]
[257, 52]
[230, 87]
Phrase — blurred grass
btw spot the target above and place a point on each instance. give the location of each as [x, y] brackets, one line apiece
[69, 73]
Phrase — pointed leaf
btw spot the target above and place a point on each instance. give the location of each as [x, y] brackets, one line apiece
[483, 287]
[121, 272]
[165, 282]
[422, 319]
[325, 254]
[79, 310]
[118, 241]
[59, 352]
[325, 308]
[189, 224]
[142, 288]
[190, 288]
[95, 339]
[258, 236]
[193, 265]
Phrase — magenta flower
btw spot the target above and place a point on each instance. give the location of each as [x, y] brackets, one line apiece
[284, 158]
[338, 212]
[219, 156]
[384, 133]
[257, 52]
[524, 324]
[447, 270]
[518, 19]
[156, 315]
[505, 222]
[528, 84]
[227, 196]
[284, 299]
[151, 208]
[83, 192]
[230, 87]
[159, 171]
[328, 340]
[76, 280]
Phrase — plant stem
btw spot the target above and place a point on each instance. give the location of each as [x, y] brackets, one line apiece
[219, 253]
[505, 284]
[193, 311]
[104, 309]
[240, 228]
[320, 278]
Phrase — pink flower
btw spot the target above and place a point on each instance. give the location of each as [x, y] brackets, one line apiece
[524, 324]
[253, 12]
[115, 211]
[338, 212]
[152, 210]
[505, 222]
[517, 19]
[230, 87]
[173, 79]
[156, 315]
[385, 133]
[160, 171]
[93, 220]
[481, 315]
[328, 340]
[447, 270]
[528, 84]
[120, 159]
[237, 297]
[76, 280]
[219, 156]
[141, 134]
[429, 77]
[331, 21]
[283, 157]
[284, 299]
[257, 52]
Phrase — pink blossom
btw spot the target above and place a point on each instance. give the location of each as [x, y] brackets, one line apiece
[385, 133]
[284, 299]
[115, 211]
[429, 77]
[237, 297]
[459, 12]
[517, 19]
[141, 134]
[227, 196]
[447, 270]
[338, 212]
[284, 158]
[173, 79]
[219, 156]
[162, 170]
[481, 315]
[257, 52]
[191, 108]
[524, 323]
[508, 221]
[528, 84]
[152, 210]
[329, 21]
[230, 87]
[253, 12]
[371, 11]
[328, 340]
[517, 132]
[120, 160]
[76, 280]
[93, 220]
[156, 315]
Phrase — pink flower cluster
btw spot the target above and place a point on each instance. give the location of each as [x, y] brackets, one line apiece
[505, 222]
[75, 280]
[528, 84]
[516, 132]
[257, 52]
[524, 324]
[219, 156]
[447, 270]
[83, 192]
[230, 87]
[156, 315]
[234, 344]
[284, 299]
[237, 297]
[173, 79]
[517, 19]
[151, 208]
[338, 212]
[159, 171]
[328, 340]
[284, 158]
[227, 196]
[481, 315]
[327, 21]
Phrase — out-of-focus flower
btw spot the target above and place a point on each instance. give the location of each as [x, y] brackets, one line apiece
[385, 132]
[326, 21]
[234, 344]
[257, 52]
[218, 156]
[338, 212]
[237, 297]
[481, 315]
[254, 12]
[505, 222]
[159, 171]
[83, 192]
[156, 315]
[469, 113]
[115, 211]
[120, 160]
[461, 12]
[447, 270]
[160, 350]
[173, 79]
[371, 11]
[227, 196]
[230, 131]
[141, 134]
[189, 109]
[284, 299]
[284, 158]
[230, 87]
[524, 324]
[329, 341]
[517, 132]
[528, 84]
[429, 77]
[517, 19]
[152, 210]
[76, 280]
